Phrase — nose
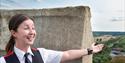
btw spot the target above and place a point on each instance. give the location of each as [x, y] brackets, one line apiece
[31, 32]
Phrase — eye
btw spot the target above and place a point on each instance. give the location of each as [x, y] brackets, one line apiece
[26, 28]
[33, 28]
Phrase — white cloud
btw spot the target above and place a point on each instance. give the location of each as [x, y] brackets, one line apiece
[39, 0]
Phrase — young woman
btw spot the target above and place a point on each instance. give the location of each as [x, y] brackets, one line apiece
[23, 34]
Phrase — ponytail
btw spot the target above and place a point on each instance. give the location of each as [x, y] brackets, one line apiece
[10, 44]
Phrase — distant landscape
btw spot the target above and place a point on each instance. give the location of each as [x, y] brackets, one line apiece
[101, 33]
[114, 50]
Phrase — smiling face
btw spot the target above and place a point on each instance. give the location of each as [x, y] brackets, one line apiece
[25, 34]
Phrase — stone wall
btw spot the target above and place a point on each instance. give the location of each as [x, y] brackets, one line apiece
[4, 32]
[57, 28]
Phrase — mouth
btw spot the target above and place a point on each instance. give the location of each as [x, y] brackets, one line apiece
[30, 38]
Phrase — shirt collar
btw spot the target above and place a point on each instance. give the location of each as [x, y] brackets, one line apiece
[21, 53]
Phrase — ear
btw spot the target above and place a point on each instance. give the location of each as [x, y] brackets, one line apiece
[13, 33]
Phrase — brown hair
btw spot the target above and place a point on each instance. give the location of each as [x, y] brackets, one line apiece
[14, 23]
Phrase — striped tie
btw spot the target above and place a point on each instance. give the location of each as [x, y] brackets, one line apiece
[26, 58]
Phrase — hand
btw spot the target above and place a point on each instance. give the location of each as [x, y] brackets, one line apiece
[97, 48]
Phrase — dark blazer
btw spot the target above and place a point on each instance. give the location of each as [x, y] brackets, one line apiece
[12, 58]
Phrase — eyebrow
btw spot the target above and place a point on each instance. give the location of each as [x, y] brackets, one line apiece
[28, 25]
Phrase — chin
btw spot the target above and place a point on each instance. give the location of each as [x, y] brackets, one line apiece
[30, 43]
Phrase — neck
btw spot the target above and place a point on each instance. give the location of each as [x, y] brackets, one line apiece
[22, 47]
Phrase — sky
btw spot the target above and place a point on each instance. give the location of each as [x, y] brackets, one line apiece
[107, 15]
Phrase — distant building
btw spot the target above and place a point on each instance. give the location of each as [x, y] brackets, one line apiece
[117, 52]
[104, 38]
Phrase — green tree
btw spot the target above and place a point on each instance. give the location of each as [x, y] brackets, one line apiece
[104, 55]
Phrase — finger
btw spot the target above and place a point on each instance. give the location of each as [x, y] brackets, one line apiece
[93, 44]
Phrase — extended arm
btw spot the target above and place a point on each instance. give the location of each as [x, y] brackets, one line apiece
[74, 54]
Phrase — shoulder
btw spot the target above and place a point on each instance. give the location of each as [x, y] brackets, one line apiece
[48, 51]
[50, 56]
[2, 60]
[9, 54]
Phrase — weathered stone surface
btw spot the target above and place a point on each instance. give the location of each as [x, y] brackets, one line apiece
[57, 28]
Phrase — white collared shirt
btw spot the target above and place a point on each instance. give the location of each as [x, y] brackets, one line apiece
[20, 54]
[48, 56]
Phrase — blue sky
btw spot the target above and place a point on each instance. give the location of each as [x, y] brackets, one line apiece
[107, 15]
